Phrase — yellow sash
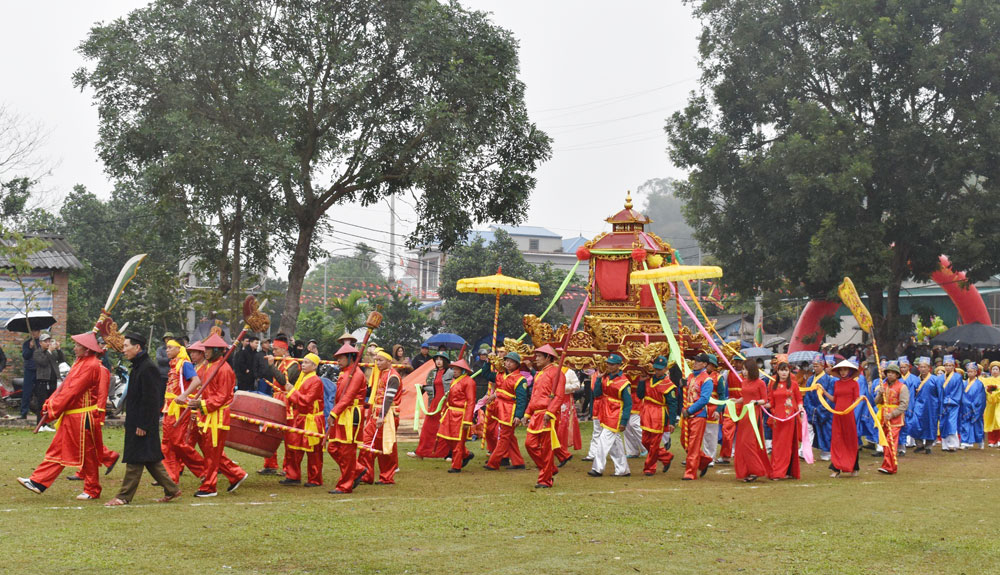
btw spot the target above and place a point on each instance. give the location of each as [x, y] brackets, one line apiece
[173, 408]
[72, 411]
[213, 421]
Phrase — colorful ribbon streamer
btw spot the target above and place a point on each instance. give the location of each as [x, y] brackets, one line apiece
[675, 350]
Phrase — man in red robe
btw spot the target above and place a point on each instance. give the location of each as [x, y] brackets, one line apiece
[73, 407]
[177, 452]
[654, 417]
[698, 391]
[510, 399]
[379, 436]
[345, 418]
[546, 396]
[281, 371]
[456, 420]
[304, 399]
[212, 425]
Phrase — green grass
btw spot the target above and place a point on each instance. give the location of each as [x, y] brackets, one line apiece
[935, 517]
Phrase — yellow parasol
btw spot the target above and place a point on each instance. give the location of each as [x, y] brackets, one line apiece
[674, 273]
[498, 284]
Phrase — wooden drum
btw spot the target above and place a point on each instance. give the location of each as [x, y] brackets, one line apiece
[249, 437]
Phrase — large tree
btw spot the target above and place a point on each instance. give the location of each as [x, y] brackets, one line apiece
[836, 138]
[325, 102]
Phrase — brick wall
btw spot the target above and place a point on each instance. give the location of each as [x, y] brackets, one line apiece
[11, 342]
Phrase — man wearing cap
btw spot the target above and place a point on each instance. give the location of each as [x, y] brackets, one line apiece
[281, 370]
[177, 452]
[926, 406]
[421, 358]
[733, 384]
[212, 417]
[894, 397]
[655, 416]
[910, 379]
[547, 394]
[304, 399]
[73, 407]
[162, 361]
[456, 418]
[710, 442]
[142, 425]
[345, 419]
[508, 401]
[47, 358]
[697, 392]
[616, 390]
[379, 435]
[952, 387]
[973, 406]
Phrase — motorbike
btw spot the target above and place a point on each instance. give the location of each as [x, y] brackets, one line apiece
[117, 390]
[12, 397]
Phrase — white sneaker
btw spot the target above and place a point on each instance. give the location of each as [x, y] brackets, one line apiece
[85, 497]
[46, 428]
[29, 484]
[825, 456]
[413, 454]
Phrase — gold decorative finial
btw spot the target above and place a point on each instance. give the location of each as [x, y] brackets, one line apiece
[628, 200]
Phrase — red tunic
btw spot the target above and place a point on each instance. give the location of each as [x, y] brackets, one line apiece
[458, 410]
[507, 385]
[373, 435]
[653, 416]
[751, 457]
[547, 395]
[72, 405]
[306, 404]
[785, 402]
[613, 392]
[345, 417]
[216, 396]
[844, 442]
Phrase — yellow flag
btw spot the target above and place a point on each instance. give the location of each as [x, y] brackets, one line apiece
[850, 297]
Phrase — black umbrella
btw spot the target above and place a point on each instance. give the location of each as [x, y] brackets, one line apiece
[970, 334]
[38, 319]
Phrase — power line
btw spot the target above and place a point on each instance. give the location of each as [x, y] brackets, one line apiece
[613, 99]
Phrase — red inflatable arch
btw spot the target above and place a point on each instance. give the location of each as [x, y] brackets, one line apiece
[970, 305]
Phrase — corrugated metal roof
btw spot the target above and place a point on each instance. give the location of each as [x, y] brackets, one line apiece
[58, 256]
[570, 245]
[533, 231]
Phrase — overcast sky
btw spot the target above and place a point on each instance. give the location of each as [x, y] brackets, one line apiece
[601, 79]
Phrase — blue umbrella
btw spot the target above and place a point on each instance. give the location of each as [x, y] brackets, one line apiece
[448, 340]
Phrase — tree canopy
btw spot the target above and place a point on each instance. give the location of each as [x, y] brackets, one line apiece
[471, 315]
[836, 138]
[295, 106]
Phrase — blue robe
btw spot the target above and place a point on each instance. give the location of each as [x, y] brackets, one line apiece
[863, 417]
[951, 403]
[821, 419]
[911, 427]
[925, 409]
[970, 426]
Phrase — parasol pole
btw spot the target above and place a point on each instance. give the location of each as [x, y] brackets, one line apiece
[496, 319]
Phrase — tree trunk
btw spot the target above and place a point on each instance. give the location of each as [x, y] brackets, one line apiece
[296, 275]
[236, 316]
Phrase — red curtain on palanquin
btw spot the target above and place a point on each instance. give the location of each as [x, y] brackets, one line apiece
[612, 279]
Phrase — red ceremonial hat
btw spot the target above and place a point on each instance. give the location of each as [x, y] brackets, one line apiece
[215, 340]
[461, 363]
[89, 341]
[196, 346]
[346, 349]
[546, 349]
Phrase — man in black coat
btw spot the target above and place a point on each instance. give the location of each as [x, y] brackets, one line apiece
[142, 425]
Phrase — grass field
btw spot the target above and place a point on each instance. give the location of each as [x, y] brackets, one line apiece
[937, 516]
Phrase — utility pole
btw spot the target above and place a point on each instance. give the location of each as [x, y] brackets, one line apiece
[325, 266]
[392, 239]
[699, 281]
